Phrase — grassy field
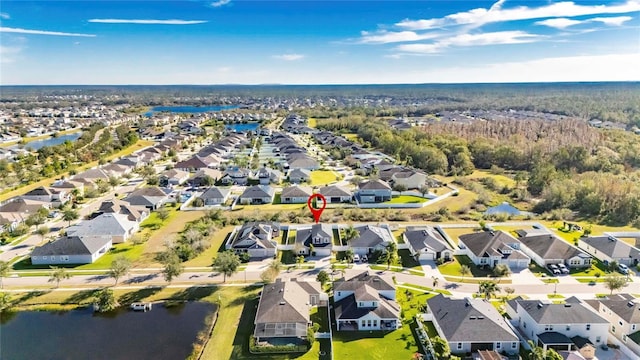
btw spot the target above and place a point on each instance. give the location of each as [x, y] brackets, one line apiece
[464, 199]
[454, 233]
[217, 243]
[501, 180]
[350, 137]
[406, 199]
[322, 177]
[311, 122]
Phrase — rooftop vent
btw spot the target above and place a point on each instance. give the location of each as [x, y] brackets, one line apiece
[539, 305]
[631, 304]
[480, 317]
[282, 303]
[472, 317]
[567, 305]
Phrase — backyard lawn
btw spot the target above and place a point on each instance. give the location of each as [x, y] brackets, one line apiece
[454, 233]
[406, 199]
[322, 177]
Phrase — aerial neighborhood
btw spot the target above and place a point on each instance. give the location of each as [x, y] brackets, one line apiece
[397, 264]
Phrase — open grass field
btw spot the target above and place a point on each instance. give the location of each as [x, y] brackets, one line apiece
[312, 122]
[406, 199]
[464, 199]
[502, 180]
[322, 177]
[454, 233]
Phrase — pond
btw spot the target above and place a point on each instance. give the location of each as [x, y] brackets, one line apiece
[243, 127]
[162, 333]
[38, 144]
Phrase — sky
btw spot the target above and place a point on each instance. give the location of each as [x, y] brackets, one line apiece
[317, 42]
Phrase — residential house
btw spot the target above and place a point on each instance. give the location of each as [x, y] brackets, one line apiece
[426, 243]
[205, 177]
[371, 238]
[173, 177]
[552, 325]
[284, 311]
[116, 206]
[16, 211]
[69, 186]
[268, 176]
[545, 248]
[150, 197]
[335, 194]
[255, 238]
[295, 194]
[609, 249]
[374, 191]
[623, 314]
[470, 325]
[215, 196]
[116, 170]
[302, 162]
[71, 250]
[318, 235]
[92, 175]
[411, 179]
[297, 176]
[490, 248]
[196, 163]
[235, 176]
[366, 302]
[257, 195]
[54, 196]
[117, 226]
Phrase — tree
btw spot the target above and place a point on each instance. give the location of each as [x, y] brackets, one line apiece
[171, 262]
[197, 202]
[350, 233]
[488, 288]
[207, 181]
[268, 275]
[58, 275]
[464, 271]
[440, 347]
[42, 231]
[615, 282]
[435, 281]
[501, 270]
[120, 267]
[390, 254]
[537, 352]
[509, 291]
[424, 190]
[69, 215]
[322, 277]
[552, 354]
[5, 301]
[349, 254]
[105, 300]
[400, 188]
[113, 182]
[163, 213]
[299, 261]
[4, 271]
[275, 265]
[227, 263]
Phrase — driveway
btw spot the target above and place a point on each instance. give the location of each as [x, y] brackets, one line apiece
[611, 354]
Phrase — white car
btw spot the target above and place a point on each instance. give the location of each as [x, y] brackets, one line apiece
[563, 268]
[555, 270]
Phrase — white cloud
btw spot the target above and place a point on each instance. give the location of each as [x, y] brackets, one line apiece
[5, 16]
[385, 37]
[496, 13]
[7, 53]
[461, 40]
[41, 32]
[559, 23]
[289, 57]
[612, 21]
[147, 21]
[220, 3]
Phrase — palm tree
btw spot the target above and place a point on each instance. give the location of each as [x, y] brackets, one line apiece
[350, 233]
[501, 270]
[488, 288]
[464, 271]
[69, 215]
[435, 281]
[537, 352]
[4, 271]
[58, 275]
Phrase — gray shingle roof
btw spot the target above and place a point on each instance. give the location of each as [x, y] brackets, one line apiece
[425, 237]
[469, 320]
[544, 313]
[334, 191]
[375, 281]
[371, 236]
[257, 191]
[489, 243]
[296, 191]
[347, 309]
[622, 305]
[612, 247]
[72, 245]
[215, 192]
[374, 185]
[551, 247]
[304, 236]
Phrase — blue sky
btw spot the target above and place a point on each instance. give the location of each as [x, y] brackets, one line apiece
[317, 42]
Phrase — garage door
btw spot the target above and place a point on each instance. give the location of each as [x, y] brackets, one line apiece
[258, 252]
[427, 256]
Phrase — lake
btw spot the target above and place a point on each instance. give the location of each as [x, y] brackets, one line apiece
[243, 127]
[190, 109]
[162, 333]
[38, 144]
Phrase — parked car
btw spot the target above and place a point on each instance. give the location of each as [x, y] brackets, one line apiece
[563, 268]
[554, 269]
[356, 258]
[622, 268]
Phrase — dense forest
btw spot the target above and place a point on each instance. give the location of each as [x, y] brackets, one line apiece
[567, 164]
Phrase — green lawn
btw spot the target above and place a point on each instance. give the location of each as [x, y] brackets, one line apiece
[319, 316]
[322, 177]
[597, 267]
[427, 289]
[128, 250]
[383, 345]
[452, 268]
[311, 122]
[406, 199]
[454, 233]
[409, 261]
